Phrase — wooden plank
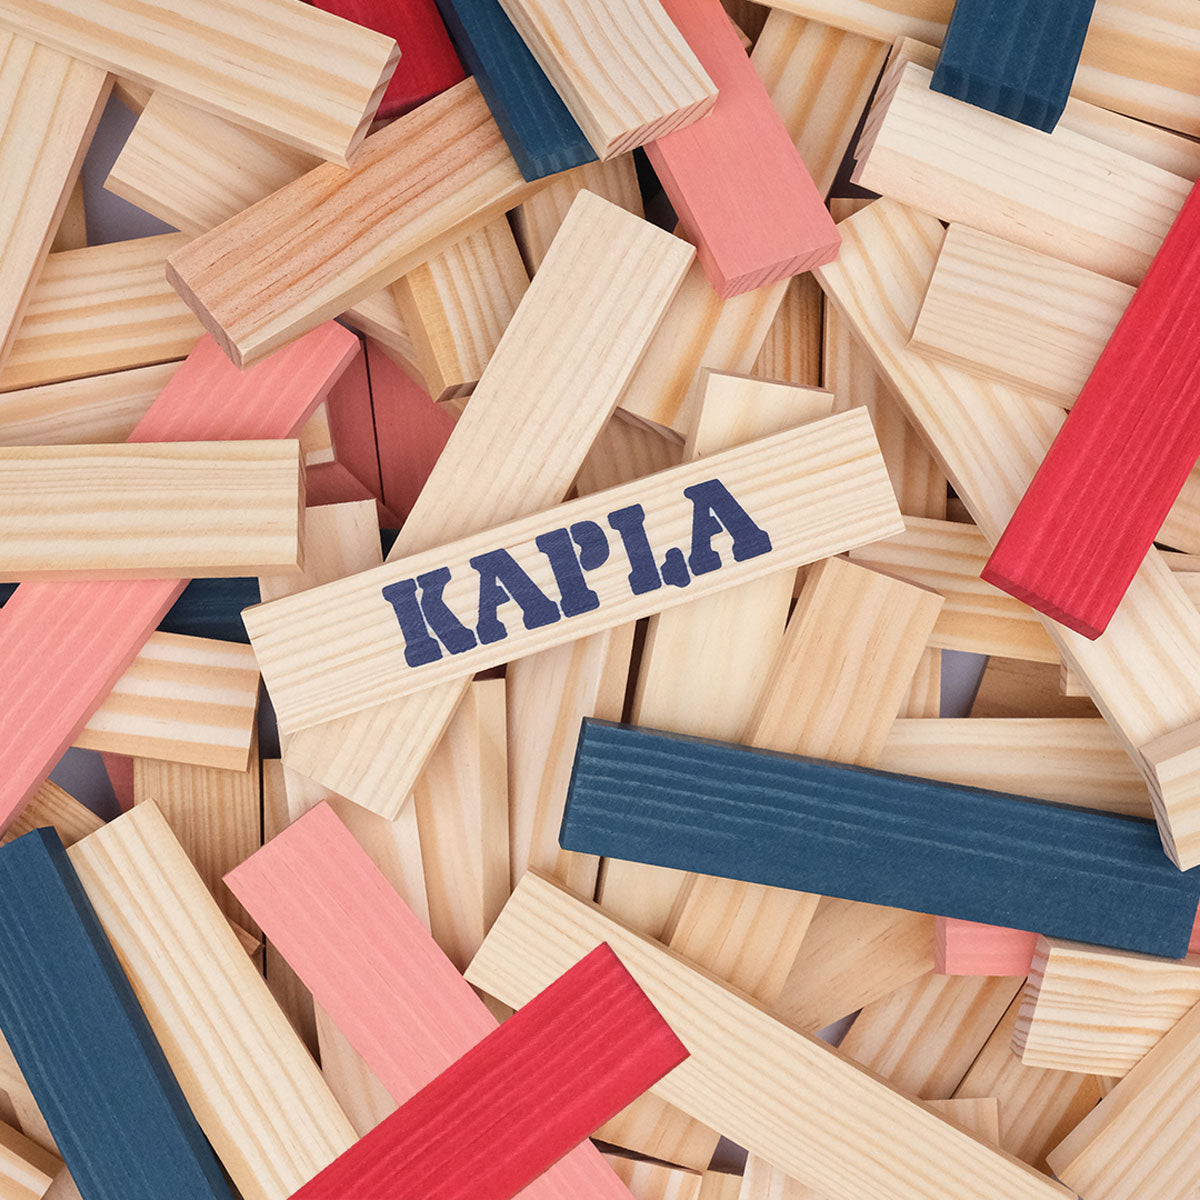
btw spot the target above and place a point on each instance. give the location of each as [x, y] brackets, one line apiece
[973, 948]
[189, 700]
[924, 697]
[252, 81]
[451, 144]
[53, 807]
[295, 644]
[52, 106]
[710, 832]
[212, 608]
[769, 225]
[990, 440]
[63, 646]
[390, 965]
[783, 1095]
[101, 309]
[1133, 1142]
[791, 352]
[352, 428]
[255, 1091]
[339, 539]
[72, 226]
[1012, 688]
[648, 1180]
[1100, 1011]
[517, 406]
[457, 306]
[589, 55]
[113, 512]
[1017, 182]
[26, 1170]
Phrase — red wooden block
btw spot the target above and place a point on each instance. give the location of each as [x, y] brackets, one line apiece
[64, 645]
[352, 426]
[332, 483]
[969, 948]
[1095, 505]
[119, 768]
[735, 179]
[428, 64]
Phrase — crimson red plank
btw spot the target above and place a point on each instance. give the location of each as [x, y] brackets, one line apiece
[735, 179]
[64, 645]
[1104, 488]
[119, 768]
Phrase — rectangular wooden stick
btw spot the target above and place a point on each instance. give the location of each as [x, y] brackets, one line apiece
[58, 809]
[26, 1170]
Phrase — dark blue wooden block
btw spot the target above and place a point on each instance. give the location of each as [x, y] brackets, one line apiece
[1014, 57]
[816, 826]
[540, 131]
[83, 1042]
[212, 608]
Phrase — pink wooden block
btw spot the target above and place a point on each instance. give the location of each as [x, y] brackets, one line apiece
[372, 965]
[119, 768]
[969, 948]
[64, 645]
[735, 179]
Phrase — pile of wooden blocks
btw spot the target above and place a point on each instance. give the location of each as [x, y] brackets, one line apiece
[593, 420]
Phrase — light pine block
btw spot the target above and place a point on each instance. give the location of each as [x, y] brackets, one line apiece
[648, 1180]
[26, 1170]
[186, 699]
[339, 540]
[252, 81]
[1100, 1011]
[1015, 182]
[791, 352]
[354, 1085]
[50, 104]
[253, 303]
[627, 77]
[255, 1091]
[924, 697]
[72, 227]
[786, 1097]
[150, 510]
[52, 806]
[1012, 688]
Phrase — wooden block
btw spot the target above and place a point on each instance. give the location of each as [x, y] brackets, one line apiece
[352, 427]
[648, 1180]
[92, 1061]
[428, 64]
[518, 403]
[26, 1170]
[819, 79]
[112, 512]
[253, 82]
[924, 1036]
[339, 539]
[451, 144]
[924, 697]
[353, 1083]
[186, 699]
[101, 309]
[53, 105]
[51, 806]
[1016, 832]
[989, 440]
[457, 306]
[119, 769]
[63, 646]
[735, 179]
[1100, 1011]
[1007, 180]
[212, 608]
[541, 133]
[254, 1089]
[792, 350]
[1013, 688]
[972, 948]
[589, 55]
[781, 1094]
[536, 222]
[763, 474]
[390, 965]
[1094, 507]
[72, 226]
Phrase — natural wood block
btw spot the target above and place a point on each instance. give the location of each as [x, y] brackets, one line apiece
[804, 517]
[1014, 182]
[736, 181]
[648, 1180]
[185, 699]
[451, 144]
[783, 1095]
[26, 1170]
[58, 809]
[52, 105]
[252, 81]
[114, 512]
[339, 539]
[72, 226]
[1012, 688]
[924, 699]
[792, 350]
[627, 78]
[254, 1089]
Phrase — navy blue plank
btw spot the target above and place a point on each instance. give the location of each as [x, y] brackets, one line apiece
[1014, 57]
[895, 840]
[212, 608]
[83, 1043]
[541, 133]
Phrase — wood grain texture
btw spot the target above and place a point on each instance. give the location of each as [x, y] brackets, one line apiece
[64, 645]
[736, 181]
[655, 1181]
[964, 164]
[805, 516]
[251, 81]
[51, 106]
[786, 1097]
[791, 352]
[1012, 688]
[254, 302]
[255, 1091]
[53, 807]
[26, 1170]
[627, 78]
[517, 405]
[72, 226]
[150, 511]
[84, 1045]
[339, 539]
